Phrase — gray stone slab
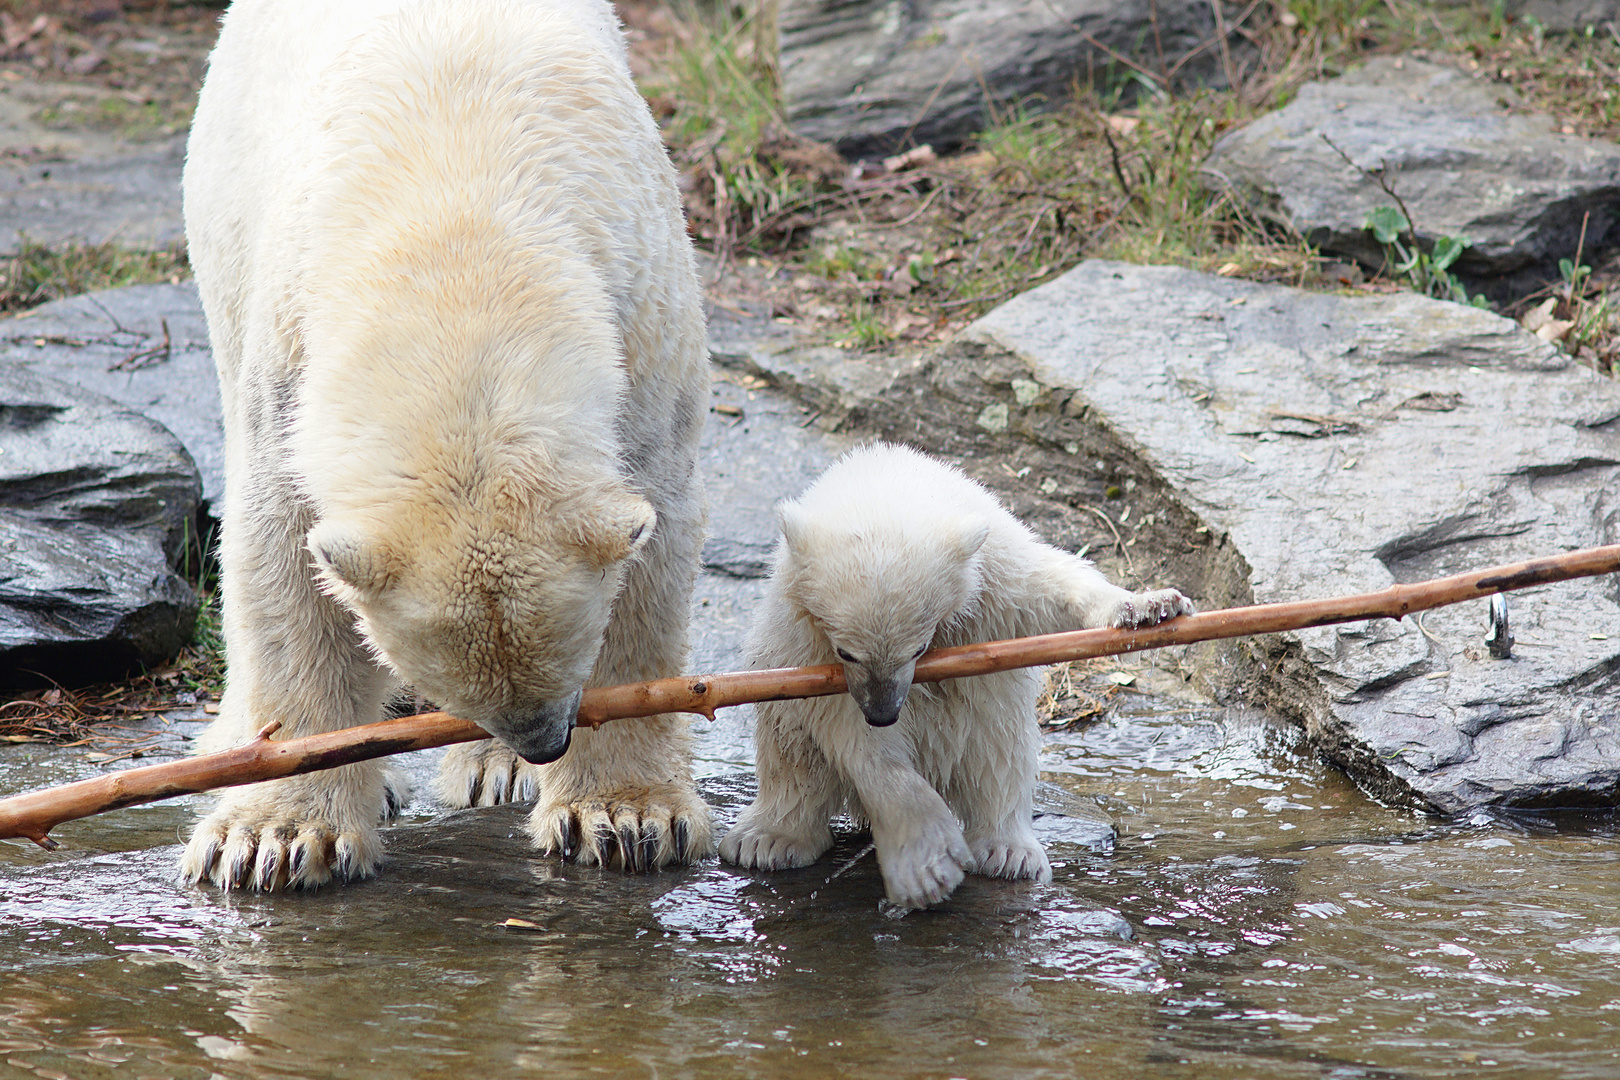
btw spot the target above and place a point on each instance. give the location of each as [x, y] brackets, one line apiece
[1338, 445]
[96, 503]
[1461, 153]
[1563, 16]
[89, 341]
[873, 76]
[133, 198]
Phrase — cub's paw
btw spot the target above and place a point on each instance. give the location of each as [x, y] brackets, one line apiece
[756, 845]
[1150, 609]
[1020, 858]
[639, 829]
[926, 868]
[485, 774]
[256, 839]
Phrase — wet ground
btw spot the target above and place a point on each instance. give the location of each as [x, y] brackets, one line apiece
[1255, 917]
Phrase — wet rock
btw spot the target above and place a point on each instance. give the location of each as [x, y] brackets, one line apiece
[1461, 154]
[1264, 444]
[113, 343]
[1342, 444]
[96, 502]
[872, 76]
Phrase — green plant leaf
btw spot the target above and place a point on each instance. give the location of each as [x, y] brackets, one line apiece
[1386, 224]
[1446, 250]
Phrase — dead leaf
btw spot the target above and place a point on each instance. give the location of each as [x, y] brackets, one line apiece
[1540, 315]
[914, 158]
[1554, 329]
[1123, 125]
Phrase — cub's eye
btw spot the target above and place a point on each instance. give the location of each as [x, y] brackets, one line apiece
[843, 655]
[919, 652]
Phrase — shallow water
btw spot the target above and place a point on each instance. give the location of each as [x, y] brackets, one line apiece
[1256, 917]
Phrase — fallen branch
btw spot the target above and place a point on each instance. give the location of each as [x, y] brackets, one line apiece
[34, 814]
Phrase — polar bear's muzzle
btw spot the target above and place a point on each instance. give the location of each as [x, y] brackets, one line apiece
[880, 695]
[541, 735]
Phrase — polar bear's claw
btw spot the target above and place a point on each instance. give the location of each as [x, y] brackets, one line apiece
[924, 878]
[653, 829]
[485, 774]
[755, 846]
[1150, 609]
[1015, 858]
[255, 841]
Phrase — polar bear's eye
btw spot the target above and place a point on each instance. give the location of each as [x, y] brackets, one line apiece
[843, 654]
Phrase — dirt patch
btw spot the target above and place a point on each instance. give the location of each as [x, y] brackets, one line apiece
[126, 69]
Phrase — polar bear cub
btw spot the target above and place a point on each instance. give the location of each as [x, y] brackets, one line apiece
[461, 348]
[889, 554]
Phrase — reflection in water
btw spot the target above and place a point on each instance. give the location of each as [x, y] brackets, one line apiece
[1256, 918]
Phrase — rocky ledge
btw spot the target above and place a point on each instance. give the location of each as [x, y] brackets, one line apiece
[1267, 444]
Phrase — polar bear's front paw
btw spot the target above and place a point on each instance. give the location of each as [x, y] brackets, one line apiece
[926, 868]
[251, 843]
[1150, 609]
[1016, 857]
[639, 830]
[485, 774]
[756, 845]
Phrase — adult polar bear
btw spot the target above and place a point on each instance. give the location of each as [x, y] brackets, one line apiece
[461, 347]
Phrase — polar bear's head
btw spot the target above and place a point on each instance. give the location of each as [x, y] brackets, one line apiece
[492, 605]
[880, 586]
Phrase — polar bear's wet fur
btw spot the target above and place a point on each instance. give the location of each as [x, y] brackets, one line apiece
[891, 553]
[462, 354]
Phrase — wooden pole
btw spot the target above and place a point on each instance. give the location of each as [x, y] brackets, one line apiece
[34, 814]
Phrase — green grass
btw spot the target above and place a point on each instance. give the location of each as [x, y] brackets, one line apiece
[38, 273]
[1113, 171]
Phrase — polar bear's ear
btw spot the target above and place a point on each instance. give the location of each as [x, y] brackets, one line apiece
[797, 527]
[343, 555]
[619, 531]
[969, 535]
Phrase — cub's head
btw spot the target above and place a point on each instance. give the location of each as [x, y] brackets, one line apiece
[495, 608]
[879, 586]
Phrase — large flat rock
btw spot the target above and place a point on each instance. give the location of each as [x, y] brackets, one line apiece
[873, 76]
[96, 502]
[97, 341]
[1336, 445]
[61, 185]
[1462, 154]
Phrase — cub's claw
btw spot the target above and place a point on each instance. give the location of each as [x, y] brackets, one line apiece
[1150, 609]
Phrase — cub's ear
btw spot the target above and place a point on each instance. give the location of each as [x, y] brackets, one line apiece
[617, 531]
[969, 535]
[345, 556]
[798, 529]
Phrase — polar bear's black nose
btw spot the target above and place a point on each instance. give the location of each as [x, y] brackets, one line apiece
[542, 735]
[541, 747]
[880, 696]
[881, 717]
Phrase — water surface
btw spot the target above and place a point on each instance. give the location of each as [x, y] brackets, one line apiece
[1256, 917]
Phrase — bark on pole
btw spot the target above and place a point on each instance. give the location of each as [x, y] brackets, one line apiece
[34, 814]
